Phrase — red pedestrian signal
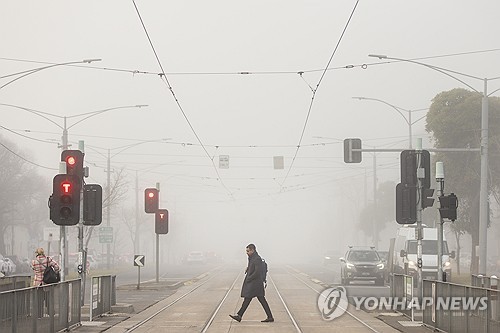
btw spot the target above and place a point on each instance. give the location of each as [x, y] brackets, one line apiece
[151, 200]
[74, 162]
[65, 200]
[161, 221]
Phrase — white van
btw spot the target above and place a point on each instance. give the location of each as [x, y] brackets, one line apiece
[404, 258]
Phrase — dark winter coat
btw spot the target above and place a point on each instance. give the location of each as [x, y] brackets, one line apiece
[253, 285]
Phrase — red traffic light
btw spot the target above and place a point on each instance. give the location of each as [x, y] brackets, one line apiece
[65, 200]
[71, 160]
[161, 221]
[66, 187]
[151, 202]
[74, 162]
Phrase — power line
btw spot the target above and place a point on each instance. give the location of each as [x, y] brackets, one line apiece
[164, 79]
[245, 73]
[315, 90]
[24, 159]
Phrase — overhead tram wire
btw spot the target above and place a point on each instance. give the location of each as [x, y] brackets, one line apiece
[164, 79]
[314, 94]
[272, 72]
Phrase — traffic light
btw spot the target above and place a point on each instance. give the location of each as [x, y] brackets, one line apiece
[92, 204]
[161, 221]
[74, 162]
[427, 200]
[65, 200]
[406, 204]
[449, 205]
[151, 200]
[409, 166]
[351, 156]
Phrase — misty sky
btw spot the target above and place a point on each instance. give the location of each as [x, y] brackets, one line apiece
[204, 47]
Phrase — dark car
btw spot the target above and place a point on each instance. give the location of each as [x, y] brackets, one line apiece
[362, 264]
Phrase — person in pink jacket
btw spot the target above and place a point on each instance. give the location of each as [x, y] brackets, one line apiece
[39, 264]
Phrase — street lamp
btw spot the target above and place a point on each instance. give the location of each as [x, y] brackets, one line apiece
[36, 70]
[65, 127]
[400, 111]
[483, 194]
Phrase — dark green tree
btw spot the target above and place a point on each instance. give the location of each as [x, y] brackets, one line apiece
[454, 121]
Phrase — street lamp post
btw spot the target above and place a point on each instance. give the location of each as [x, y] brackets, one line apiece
[483, 194]
[400, 111]
[36, 70]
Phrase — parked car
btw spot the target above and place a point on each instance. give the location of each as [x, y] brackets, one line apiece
[363, 264]
[196, 257]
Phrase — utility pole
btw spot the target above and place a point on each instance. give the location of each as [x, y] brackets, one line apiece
[62, 239]
[419, 231]
[108, 210]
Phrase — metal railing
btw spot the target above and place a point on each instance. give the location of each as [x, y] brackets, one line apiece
[461, 308]
[484, 281]
[48, 308]
[14, 282]
[402, 289]
[102, 295]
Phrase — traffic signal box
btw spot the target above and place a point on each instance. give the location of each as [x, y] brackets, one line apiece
[449, 205]
[65, 200]
[161, 221]
[74, 162]
[406, 191]
[92, 204]
[151, 200]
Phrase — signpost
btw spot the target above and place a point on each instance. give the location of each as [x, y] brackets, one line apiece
[139, 262]
[105, 234]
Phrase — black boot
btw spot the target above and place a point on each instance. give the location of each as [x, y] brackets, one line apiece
[236, 317]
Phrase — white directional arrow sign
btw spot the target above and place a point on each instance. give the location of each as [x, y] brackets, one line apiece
[139, 260]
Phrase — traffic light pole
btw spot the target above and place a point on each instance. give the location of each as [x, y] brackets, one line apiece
[440, 180]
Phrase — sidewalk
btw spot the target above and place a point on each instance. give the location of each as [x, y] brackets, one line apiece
[130, 301]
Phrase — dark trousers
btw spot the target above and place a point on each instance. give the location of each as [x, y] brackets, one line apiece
[263, 302]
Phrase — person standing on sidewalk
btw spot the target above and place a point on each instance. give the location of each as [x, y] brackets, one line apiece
[39, 264]
[253, 285]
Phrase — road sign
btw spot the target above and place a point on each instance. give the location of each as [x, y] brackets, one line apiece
[223, 161]
[139, 260]
[106, 235]
[351, 156]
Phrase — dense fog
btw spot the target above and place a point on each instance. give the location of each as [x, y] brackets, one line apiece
[244, 80]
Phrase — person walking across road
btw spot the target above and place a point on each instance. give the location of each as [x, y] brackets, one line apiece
[253, 285]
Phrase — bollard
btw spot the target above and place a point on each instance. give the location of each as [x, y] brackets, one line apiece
[495, 308]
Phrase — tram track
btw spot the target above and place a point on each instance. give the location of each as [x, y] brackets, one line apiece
[296, 276]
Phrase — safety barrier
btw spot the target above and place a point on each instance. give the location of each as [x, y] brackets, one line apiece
[484, 281]
[102, 295]
[460, 308]
[402, 289]
[14, 282]
[48, 308]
